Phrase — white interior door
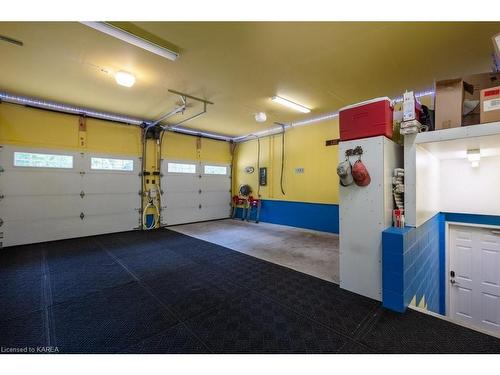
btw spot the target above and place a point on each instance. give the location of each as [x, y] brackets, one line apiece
[193, 192]
[474, 277]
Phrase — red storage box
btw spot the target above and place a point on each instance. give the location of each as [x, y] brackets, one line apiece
[367, 119]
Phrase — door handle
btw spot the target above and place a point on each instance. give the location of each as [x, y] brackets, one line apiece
[454, 283]
[495, 231]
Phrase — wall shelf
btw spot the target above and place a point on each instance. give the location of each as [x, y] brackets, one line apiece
[492, 128]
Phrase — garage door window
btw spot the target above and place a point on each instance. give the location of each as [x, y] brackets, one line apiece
[36, 160]
[181, 168]
[215, 169]
[109, 164]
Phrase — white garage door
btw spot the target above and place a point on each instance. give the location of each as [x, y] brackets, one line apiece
[53, 194]
[474, 276]
[195, 191]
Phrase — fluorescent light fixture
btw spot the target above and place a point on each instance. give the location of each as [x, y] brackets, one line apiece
[133, 39]
[125, 78]
[290, 104]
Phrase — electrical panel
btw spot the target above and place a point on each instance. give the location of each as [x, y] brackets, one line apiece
[263, 176]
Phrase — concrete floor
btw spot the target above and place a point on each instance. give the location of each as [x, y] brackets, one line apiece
[308, 251]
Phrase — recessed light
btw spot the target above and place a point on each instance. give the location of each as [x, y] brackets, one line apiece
[290, 104]
[125, 78]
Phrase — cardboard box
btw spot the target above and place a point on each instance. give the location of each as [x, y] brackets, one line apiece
[496, 44]
[490, 105]
[450, 95]
[455, 97]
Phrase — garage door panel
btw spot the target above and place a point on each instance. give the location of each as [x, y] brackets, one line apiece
[185, 192]
[20, 232]
[175, 183]
[113, 184]
[45, 203]
[174, 216]
[29, 182]
[215, 183]
[41, 207]
[109, 223]
[111, 204]
[216, 198]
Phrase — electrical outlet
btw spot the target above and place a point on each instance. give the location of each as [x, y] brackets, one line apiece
[299, 170]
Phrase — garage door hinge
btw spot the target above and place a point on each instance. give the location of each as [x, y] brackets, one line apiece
[2, 170]
[82, 172]
[2, 196]
[82, 215]
[199, 191]
[1, 222]
[82, 194]
[199, 206]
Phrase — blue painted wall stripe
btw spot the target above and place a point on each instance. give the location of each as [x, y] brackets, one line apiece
[316, 216]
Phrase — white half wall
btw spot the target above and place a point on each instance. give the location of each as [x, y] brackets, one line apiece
[470, 190]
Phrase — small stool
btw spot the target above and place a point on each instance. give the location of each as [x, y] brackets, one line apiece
[238, 201]
[253, 204]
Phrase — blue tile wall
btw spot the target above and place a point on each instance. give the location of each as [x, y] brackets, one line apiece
[414, 261]
[316, 216]
[411, 266]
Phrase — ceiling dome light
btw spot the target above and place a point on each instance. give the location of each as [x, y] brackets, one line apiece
[125, 79]
[260, 117]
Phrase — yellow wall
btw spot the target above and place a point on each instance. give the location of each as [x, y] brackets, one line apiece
[304, 147]
[32, 127]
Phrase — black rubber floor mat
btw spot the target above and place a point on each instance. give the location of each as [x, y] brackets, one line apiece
[75, 254]
[109, 321]
[193, 290]
[20, 294]
[414, 332]
[175, 340]
[153, 263]
[320, 300]
[80, 282]
[20, 261]
[23, 333]
[255, 324]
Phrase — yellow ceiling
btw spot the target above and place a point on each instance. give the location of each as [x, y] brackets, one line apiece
[239, 66]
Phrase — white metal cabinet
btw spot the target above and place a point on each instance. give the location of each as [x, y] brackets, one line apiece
[364, 213]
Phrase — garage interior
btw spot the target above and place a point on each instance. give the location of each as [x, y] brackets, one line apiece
[178, 187]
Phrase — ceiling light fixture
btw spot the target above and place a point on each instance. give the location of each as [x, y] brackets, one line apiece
[290, 104]
[260, 117]
[133, 39]
[125, 78]
[474, 156]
